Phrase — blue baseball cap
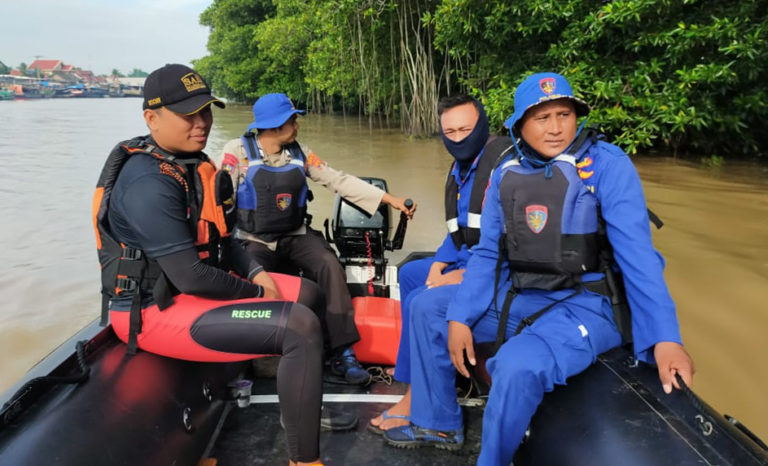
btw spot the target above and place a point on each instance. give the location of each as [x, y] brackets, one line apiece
[272, 110]
[539, 88]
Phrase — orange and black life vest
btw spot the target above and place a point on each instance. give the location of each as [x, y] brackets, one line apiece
[127, 271]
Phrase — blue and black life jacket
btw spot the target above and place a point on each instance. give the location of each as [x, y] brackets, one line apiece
[272, 199]
[554, 233]
[551, 221]
[495, 150]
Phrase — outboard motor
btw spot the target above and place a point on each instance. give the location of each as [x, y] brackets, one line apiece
[362, 240]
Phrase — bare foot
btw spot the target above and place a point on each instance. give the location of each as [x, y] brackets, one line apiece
[401, 408]
[390, 371]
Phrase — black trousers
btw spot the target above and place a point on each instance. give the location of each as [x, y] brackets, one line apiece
[313, 255]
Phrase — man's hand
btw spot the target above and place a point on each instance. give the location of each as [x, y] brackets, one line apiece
[451, 278]
[671, 358]
[460, 340]
[435, 270]
[399, 204]
[270, 288]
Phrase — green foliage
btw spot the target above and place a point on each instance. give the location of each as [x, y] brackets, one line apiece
[234, 67]
[23, 68]
[713, 161]
[117, 73]
[137, 73]
[4, 69]
[666, 75]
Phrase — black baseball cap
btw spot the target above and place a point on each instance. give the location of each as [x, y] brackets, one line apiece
[178, 88]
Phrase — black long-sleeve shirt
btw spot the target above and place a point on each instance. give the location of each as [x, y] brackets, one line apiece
[148, 211]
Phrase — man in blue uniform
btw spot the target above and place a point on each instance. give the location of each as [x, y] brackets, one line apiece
[464, 129]
[540, 247]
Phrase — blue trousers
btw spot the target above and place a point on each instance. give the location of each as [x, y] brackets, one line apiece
[563, 342]
[411, 278]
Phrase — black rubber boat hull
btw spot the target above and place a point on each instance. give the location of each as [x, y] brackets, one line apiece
[617, 413]
[148, 410]
[140, 410]
[151, 410]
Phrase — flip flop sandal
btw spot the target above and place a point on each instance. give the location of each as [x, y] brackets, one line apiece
[385, 415]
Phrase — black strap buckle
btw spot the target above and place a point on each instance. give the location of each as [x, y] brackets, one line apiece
[528, 321]
[126, 284]
[131, 254]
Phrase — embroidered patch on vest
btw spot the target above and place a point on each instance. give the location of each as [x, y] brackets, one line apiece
[536, 217]
[283, 200]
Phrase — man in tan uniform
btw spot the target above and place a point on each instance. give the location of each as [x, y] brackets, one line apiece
[270, 169]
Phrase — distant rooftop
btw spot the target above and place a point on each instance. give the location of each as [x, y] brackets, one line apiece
[46, 65]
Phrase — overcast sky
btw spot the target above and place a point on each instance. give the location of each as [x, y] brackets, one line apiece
[103, 34]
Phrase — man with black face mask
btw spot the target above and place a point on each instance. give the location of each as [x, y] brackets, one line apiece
[542, 281]
[465, 133]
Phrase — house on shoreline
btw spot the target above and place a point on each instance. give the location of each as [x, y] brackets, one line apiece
[54, 78]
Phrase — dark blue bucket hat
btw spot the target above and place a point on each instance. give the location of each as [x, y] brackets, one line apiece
[272, 110]
[539, 88]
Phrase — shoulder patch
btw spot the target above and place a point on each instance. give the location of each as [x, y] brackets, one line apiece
[583, 168]
[314, 161]
[229, 162]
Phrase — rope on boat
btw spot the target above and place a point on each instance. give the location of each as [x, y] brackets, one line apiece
[47, 380]
[378, 374]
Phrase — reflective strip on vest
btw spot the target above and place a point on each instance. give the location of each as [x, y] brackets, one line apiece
[452, 224]
[473, 220]
[565, 158]
[511, 163]
[560, 158]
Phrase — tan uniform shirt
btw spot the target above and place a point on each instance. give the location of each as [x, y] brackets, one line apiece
[234, 159]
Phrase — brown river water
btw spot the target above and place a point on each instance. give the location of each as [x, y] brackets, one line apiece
[714, 238]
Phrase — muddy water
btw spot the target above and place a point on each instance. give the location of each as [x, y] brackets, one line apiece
[714, 238]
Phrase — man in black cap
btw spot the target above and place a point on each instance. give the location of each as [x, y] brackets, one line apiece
[162, 214]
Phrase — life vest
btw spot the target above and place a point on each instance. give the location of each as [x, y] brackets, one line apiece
[272, 199]
[495, 149]
[127, 271]
[554, 233]
[551, 221]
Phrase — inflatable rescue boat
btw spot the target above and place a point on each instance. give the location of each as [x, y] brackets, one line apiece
[88, 403]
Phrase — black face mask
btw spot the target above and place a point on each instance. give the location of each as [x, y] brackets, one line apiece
[468, 148]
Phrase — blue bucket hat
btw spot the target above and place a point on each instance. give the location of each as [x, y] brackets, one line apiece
[539, 88]
[272, 110]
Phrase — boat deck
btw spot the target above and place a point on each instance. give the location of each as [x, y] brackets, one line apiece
[612, 413]
[154, 411]
[253, 436]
